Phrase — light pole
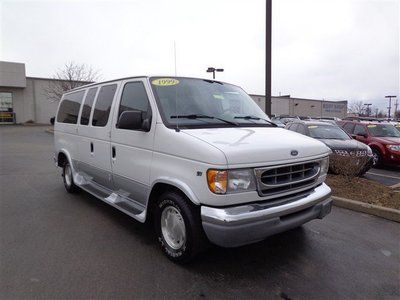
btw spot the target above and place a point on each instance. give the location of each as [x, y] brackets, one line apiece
[368, 109]
[268, 45]
[213, 70]
[390, 104]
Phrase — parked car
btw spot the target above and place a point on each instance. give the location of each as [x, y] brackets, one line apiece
[337, 140]
[278, 122]
[287, 119]
[383, 138]
[196, 155]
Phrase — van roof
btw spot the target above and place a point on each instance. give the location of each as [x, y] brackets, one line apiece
[135, 77]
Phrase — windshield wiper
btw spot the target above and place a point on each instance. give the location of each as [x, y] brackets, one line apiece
[255, 118]
[201, 116]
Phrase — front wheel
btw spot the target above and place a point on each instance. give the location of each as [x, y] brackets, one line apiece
[69, 179]
[377, 158]
[178, 227]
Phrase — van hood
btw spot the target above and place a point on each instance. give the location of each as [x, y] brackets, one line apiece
[259, 144]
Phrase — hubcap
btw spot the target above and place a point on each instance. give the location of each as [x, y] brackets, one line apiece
[68, 175]
[173, 227]
[375, 158]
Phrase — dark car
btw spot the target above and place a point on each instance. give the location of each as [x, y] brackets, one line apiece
[341, 143]
[383, 138]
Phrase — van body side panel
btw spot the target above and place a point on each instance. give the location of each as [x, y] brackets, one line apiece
[133, 153]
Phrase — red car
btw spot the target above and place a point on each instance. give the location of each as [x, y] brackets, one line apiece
[383, 138]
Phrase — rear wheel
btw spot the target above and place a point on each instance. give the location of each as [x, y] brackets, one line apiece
[69, 179]
[178, 227]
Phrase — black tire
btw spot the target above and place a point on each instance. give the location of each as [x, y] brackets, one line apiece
[377, 158]
[68, 179]
[175, 204]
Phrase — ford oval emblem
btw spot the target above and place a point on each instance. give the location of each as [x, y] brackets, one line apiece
[294, 152]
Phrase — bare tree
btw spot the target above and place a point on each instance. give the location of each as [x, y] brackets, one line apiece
[357, 107]
[71, 76]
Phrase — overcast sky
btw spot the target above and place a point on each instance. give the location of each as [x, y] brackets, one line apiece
[322, 49]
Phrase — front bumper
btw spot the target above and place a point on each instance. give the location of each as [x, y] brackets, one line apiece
[240, 225]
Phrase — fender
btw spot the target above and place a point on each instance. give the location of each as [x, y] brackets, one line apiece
[178, 184]
[378, 146]
[66, 153]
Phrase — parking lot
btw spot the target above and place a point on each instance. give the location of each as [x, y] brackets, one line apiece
[389, 176]
[58, 245]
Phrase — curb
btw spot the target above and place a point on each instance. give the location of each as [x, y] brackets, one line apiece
[379, 211]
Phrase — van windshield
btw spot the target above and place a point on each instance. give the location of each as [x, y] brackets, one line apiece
[201, 103]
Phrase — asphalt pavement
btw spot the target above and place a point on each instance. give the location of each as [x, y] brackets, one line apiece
[55, 245]
[387, 175]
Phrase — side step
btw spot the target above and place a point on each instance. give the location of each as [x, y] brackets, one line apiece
[128, 206]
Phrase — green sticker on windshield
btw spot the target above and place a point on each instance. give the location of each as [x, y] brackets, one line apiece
[371, 126]
[165, 81]
[313, 126]
[219, 97]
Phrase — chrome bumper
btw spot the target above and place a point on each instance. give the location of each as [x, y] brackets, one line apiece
[240, 225]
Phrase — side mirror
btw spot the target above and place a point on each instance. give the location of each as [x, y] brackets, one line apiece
[130, 119]
[362, 135]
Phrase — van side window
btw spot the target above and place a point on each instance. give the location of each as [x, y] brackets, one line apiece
[134, 97]
[103, 105]
[87, 106]
[301, 129]
[69, 108]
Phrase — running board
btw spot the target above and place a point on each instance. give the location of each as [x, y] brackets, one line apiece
[127, 206]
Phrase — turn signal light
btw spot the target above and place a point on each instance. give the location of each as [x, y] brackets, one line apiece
[217, 181]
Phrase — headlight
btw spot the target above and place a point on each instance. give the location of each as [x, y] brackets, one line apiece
[231, 181]
[394, 147]
[324, 166]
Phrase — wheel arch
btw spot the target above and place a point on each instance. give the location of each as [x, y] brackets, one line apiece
[164, 184]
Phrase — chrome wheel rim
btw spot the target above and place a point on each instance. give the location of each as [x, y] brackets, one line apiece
[173, 227]
[68, 175]
[375, 158]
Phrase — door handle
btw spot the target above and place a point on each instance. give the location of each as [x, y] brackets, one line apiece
[91, 147]
[113, 152]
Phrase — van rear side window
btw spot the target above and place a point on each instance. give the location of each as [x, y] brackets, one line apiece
[103, 105]
[87, 106]
[69, 108]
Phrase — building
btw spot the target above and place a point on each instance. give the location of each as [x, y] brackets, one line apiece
[24, 99]
[286, 105]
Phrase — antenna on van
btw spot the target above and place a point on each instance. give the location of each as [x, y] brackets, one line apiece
[175, 56]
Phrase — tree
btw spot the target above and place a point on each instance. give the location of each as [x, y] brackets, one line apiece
[357, 107]
[71, 76]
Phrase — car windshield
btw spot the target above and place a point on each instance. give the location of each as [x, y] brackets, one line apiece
[327, 132]
[196, 103]
[383, 130]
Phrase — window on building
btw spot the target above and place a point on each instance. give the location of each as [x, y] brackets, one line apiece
[6, 102]
[134, 97]
[69, 108]
[103, 105]
[87, 106]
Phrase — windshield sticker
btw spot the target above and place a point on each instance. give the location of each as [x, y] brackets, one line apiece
[165, 81]
[219, 97]
[371, 126]
[313, 126]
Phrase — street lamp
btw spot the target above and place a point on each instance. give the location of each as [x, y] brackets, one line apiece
[213, 70]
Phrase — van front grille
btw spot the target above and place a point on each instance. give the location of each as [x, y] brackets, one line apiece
[285, 178]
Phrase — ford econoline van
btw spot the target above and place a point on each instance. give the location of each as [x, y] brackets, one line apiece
[197, 157]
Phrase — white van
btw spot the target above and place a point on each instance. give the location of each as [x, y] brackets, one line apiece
[196, 156]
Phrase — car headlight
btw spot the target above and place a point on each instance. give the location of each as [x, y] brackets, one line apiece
[394, 147]
[231, 181]
[324, 166]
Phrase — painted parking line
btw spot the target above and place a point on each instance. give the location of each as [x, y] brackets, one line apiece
[382, 175]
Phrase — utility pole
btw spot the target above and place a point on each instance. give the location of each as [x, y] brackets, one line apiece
[390, 104]
[395, 108]
[368, 109]
[268, 45]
